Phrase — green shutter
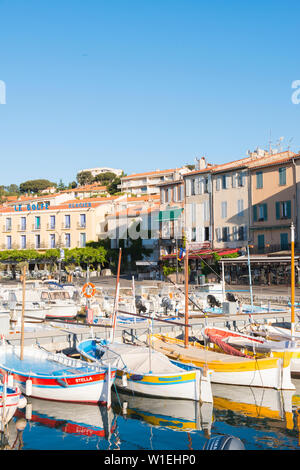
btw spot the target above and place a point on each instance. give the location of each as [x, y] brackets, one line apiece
[277, 210]
[255, 213]
[288, 209]
[265, 211]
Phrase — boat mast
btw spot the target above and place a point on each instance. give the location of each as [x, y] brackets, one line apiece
[116, 298]
[23, 312]
[250, 278]
[186, 282]
[292, 281]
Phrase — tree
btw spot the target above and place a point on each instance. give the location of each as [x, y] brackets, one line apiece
[105, 178]
[86, 256]
[112, 188]
[84, 177]
[34, 186]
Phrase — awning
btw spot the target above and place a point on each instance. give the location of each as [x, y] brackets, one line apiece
[208, 253]
[170, 214]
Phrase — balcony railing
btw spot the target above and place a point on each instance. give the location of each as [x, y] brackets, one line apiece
[268, 248]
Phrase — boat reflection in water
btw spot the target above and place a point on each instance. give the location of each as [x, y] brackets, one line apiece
[255, 402]
[180, 415]
[80, 419]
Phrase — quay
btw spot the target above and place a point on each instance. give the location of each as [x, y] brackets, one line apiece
[65, 336]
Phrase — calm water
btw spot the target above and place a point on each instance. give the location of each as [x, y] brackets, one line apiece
[263, 419]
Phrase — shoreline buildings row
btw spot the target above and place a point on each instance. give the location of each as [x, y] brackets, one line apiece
[226, 207]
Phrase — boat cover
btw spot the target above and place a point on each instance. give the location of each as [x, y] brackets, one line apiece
[138, 359]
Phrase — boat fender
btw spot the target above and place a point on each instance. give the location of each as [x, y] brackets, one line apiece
[124, 380]
[10, 381]
[21, 424]
[225, 442]
[28, 389]
[124, 408]
[22, 402]
[28, 411]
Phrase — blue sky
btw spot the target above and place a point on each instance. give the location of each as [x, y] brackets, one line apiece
[142, 85]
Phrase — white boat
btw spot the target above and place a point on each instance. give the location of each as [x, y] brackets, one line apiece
[42, 374]
[10, 400]
[142, 370]
[11, 300]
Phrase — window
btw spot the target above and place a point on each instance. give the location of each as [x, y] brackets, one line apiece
[23, 223]
[261, 241]
[52, 222]
[283, 210]
[68, 240]
[284, 241]
[8, 242]
[82, 220]
[224, 209]
[206, 234]
[23, 242]
[241, 179]
[225, 234]
[260, 212]
[218, 183]
[38, 241]
[259, 180]
[224, 182]
[37, 224]
[52, 240]
[240, 208]
[193, 238]
[193, 187]
[67, 221]
[241, 233]
[8, 224]
[282, 176]
[82, 240]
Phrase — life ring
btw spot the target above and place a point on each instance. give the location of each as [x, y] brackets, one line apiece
[89, 290]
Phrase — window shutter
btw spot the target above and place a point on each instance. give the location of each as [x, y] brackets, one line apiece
[265, 211]
[288, 209]
[277, 210]
[255, 213]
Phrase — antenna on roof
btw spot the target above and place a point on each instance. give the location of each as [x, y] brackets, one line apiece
[288, 147]
[279, 143]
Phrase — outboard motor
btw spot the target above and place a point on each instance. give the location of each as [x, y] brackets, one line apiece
[140, 305]
[224, 443]
[166, 304]
[212, 301]
[230, 297]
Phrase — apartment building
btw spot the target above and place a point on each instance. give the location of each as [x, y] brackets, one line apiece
[149, 182]
[43, 225]
[275, 201]
[230, 183]
[171, 216]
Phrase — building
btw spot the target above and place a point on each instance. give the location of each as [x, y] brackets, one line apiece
[275, 201]
[103, 169]
[149, 182]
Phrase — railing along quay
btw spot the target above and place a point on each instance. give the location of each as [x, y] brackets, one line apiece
[66, 335]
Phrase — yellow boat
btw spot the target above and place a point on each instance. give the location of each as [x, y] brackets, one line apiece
[270, 372]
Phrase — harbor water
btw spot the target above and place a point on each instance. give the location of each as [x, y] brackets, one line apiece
[262, 419]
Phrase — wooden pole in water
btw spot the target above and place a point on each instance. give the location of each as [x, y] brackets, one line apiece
[23, 312]
[186, 282]
[292, 280]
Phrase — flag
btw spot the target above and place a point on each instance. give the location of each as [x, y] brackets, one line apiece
[181, 254]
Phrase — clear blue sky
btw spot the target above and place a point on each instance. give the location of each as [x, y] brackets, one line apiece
[144, 84]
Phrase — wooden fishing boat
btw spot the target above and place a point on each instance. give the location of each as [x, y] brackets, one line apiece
[42, 374]
[10, 400]
[238, 369]
[256, 346]
[147, 372]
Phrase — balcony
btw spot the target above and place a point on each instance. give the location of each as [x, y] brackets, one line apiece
[81, 225]
[21, 228]
[36, 227]
[50, 226]
[65, 226]
[268, 248]
[7, 228]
